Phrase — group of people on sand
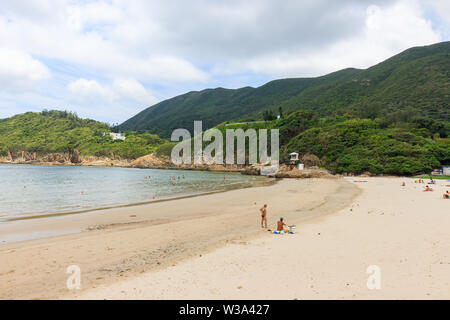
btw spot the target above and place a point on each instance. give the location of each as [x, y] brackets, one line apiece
[281, 226]
[446, 195]
[422, 181]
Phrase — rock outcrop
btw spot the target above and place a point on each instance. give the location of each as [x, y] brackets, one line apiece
[65, 158]
[153, 162]
[75, 156]
[287, 172]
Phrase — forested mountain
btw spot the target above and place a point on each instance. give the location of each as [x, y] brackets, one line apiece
[413, 83]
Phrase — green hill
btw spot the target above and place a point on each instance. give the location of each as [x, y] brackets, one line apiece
[351, 145]
[413, 83]
[364, 145]
[61, 131]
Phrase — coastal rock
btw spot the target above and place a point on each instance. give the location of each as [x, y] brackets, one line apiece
[68, 159]
[366, 174]
[287, 172]
[75, 156]
[149, 161]
[252, 170]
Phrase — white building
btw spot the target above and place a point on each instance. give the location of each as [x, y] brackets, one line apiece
[446, 170]
[117, 136]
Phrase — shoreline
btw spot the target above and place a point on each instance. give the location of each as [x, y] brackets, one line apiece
[235, 186]
[140, 239]
[127, 163]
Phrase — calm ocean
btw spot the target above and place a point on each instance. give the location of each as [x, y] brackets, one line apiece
[29, 190]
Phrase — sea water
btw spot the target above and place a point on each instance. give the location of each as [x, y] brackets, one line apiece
[31, 190]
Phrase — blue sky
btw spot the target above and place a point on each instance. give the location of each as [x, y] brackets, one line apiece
[108, 60]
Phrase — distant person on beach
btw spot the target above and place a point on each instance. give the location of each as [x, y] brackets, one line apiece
[263, 216]
[281, 226]
[446, 195]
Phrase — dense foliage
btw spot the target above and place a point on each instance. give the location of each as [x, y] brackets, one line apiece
[344, 144]
[411, 84]
[360, 145]
[62, 131]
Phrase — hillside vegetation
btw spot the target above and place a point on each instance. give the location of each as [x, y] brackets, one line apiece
[351, 145]
[363, 145]
[413, 83]
[61, 131]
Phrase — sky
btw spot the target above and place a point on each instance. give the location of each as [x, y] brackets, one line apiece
[109, 60]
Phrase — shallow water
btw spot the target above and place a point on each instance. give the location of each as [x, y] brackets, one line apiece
[28, 190]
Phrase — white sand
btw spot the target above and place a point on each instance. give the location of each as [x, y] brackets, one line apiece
[402, 230]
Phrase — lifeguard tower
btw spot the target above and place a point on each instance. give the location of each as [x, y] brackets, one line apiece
[295, 161]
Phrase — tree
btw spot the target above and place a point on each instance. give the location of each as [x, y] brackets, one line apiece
[268, 115]
[280, 112]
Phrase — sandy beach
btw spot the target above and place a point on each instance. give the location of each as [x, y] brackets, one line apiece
[116, 244]
[215, 249]
[402, 230]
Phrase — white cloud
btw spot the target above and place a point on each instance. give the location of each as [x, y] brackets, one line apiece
[19, 71]
[90, 91]
[80, 35]
[132, 51]
[122, 96]
[173, 42]
[131, 89]
[385, 32]
[440, 10]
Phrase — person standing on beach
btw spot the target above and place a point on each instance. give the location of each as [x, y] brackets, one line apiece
[263, 216]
